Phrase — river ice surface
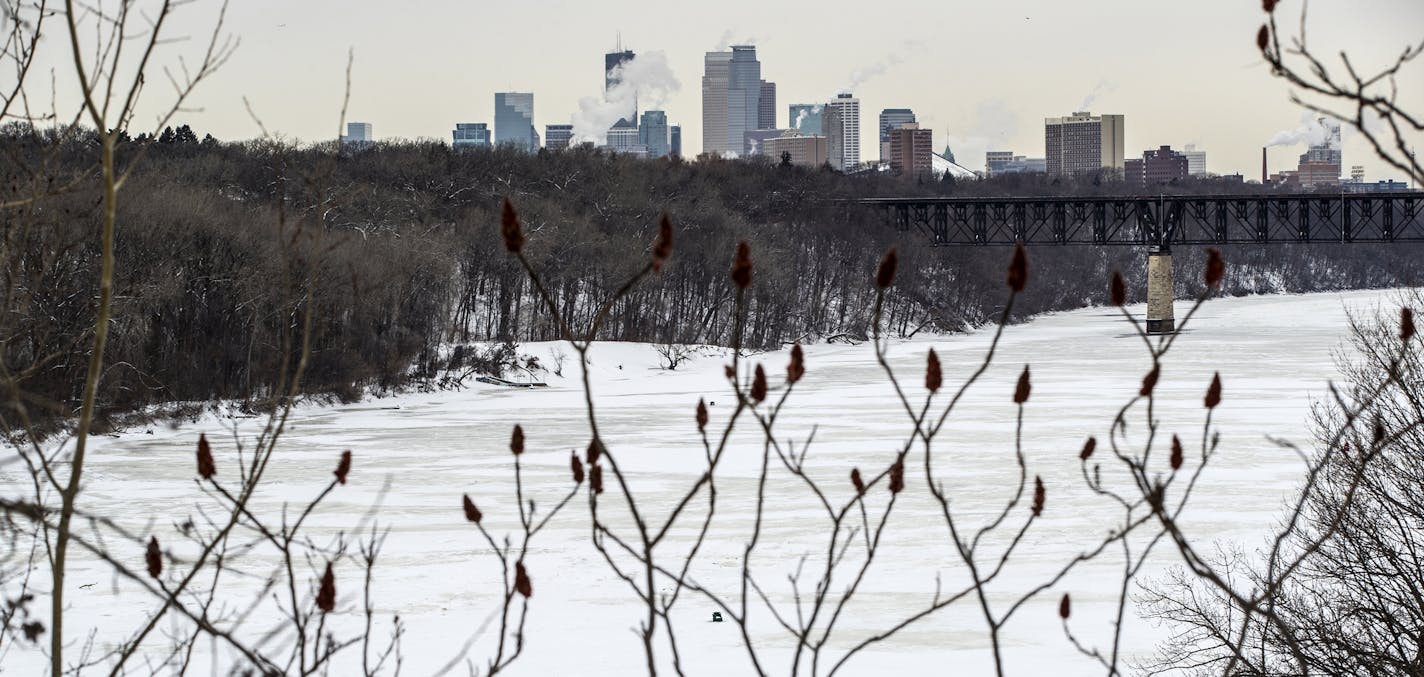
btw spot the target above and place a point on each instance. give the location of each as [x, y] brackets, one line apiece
[414, 455]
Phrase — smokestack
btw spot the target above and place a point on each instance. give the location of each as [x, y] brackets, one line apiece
[1264, 175]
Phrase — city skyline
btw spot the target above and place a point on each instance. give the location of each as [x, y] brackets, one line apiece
[961, 67]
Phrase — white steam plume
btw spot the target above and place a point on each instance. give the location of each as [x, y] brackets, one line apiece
[1311, 132]
[645, 80]
[1103, 87]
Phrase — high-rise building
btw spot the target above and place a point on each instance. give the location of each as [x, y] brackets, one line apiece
[470, 134]
[805, 151]
[1357, 174]
[358, 132]
[1320, 164]
[558, 137]
[514, 120]
[840, 122]
[675, 141]
[891, 119]
[911, 149]
[613, 75]
[766, 107]
[1196, 160]
[623, 138]
[1083, 142]
[999, 162]
[753, 140]
[996, 160]
[653, 133]
[715, 76]
[1163, 165]
[731, 99]
[805, 118]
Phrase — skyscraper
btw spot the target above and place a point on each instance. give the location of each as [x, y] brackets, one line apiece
[514, 120]
[766, 108]
[1196, 160]
[653, 133]
[841, 121]
[805, 118]
[558, 137]
[891, 119]
[675, 141]
[1163, 165]
[358, 132]
[715, 75]
[910, 151]
[623, 138]
[612, 75]
[731, 99]
[470, 134]
[1083, 142]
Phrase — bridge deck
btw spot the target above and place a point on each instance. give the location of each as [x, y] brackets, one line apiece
[1161, 221]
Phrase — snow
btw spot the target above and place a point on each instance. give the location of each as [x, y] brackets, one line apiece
[416, 454]
[939, 165]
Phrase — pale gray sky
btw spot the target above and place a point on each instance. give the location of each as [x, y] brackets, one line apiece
[986, 73]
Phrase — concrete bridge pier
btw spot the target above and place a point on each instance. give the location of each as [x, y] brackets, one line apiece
[1160, 319]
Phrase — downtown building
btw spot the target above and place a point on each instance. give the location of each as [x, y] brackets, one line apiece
[840, 124]
[731, 99]
[766, 106]
[653, 133]
[799, 149]
[514, 120]
[805, 118]
[1155, 167]
[1083, 142]
[470, 135]
[891, 119]
[358, 134]
[911, 151]
[558, 137]
[1320, 165]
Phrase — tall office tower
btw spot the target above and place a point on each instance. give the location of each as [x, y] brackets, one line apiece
[996, 160]
[840, 120]
[358, 132]
[891, 119]
[1083, 142]
[805, 118]
[623, 138]
[766, 108]
[731, 99]
[1196, 160]
[716, 72]
[514, 120]
[558, 137]
[911, 149]
[470, 134]
[675, 141]
[653, 133]
[804, 151]
[1320, 165]
[612, 75]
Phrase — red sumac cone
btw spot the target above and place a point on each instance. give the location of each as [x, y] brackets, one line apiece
[516, 440]
[885, 273]
[1065, 607]
[1406, 324]
[1149, 382]
[472, 513]
[1213, 392]
[701, 414]
[1024, 387]
[897, 476]
[521, 580]
[1268, 5]
[1038, 496]
[153, 557]
[595, 478]
[1088, 448]
[343, 466]
[1176, 458]
[662, 247]
[742, 266]
[509, 227]
[1215, 268]
[595, 449]
[797, 368]
[857, 482]
[326, 594]
[758, 385]
[206, 468]
[934, 378]
[1118, 289]
[1018, 268]
[577, 467]
[1263, 37]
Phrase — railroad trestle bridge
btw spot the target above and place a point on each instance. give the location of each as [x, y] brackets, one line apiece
[1159, 223]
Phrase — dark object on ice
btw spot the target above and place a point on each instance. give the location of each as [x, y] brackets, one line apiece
[716, 617]
[496, 381]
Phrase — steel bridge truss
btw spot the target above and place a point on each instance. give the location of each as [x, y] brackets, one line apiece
[1159, 223]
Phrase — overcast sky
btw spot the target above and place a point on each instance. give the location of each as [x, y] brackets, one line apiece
[981, 73]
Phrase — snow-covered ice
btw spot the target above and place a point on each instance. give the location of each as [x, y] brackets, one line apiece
[416, 454]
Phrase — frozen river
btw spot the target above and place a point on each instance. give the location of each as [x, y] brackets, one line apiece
[416, 454]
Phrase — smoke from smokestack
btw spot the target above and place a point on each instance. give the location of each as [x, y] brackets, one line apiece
[646, 77]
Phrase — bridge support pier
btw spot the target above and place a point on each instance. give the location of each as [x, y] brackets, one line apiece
[1160, 319]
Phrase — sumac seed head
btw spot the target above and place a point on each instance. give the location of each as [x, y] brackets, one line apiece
[343, 467]
[326, 594]
[797, 368]
[1088, 448]
[897, 476]
[857, 482]
[1268, 5]
[206, 468]
[1065, 607]
[577, 467]
[521, 580]
[758, 385]
[472, 513]
[595, 478]
[1118, 289]
[1215, 268]
[516, 440]
[1149, 382]
[742, 266]
[1263, 37]
[153, 557]
[1213, 392]
[1176, 458]
[595, 449]
[509, 227]
[662, 247]
[885, 273]
[1406, 324]
[934, 378]
[701, 414]
[1024, 387]
[1018, 268]
[1038, 496]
